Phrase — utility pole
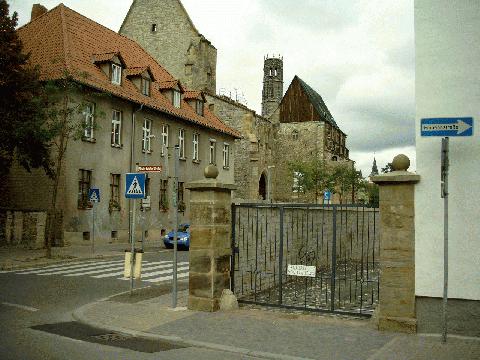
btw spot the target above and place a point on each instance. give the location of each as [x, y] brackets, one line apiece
[175, 236]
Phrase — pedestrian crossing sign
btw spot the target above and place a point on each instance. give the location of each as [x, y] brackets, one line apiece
[135, 186]
[94, 195]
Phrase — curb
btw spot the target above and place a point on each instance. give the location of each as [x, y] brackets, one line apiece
[79, 315]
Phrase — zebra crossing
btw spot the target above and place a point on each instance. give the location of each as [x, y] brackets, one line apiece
[152, 271]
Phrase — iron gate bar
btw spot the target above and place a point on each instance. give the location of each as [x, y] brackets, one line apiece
[304, 243]
[280, 258]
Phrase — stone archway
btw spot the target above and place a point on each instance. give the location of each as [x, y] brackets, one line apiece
[262, 187]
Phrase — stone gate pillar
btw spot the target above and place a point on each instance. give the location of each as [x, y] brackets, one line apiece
[397, 247]
[210, 240]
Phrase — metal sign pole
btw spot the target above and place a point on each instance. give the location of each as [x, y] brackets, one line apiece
[93, 227]
[444, 174]
[175, 236]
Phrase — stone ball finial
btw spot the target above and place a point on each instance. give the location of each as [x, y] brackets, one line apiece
[400, 162]
[211, 172]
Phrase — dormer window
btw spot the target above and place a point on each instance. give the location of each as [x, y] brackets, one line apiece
[146, 86]
[199, 107]
[176, 99]
[154, 27]
[116, 74]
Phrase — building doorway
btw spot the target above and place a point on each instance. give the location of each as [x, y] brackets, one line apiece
[262, 187]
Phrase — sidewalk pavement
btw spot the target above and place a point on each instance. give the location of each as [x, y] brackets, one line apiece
[262, 333]
[18, 258]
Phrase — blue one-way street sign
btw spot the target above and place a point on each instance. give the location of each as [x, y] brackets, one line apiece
[459, 126]
[135, 186]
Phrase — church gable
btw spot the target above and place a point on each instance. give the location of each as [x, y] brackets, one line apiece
[301, 103]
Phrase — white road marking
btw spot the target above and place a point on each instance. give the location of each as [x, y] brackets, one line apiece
[53, 269]
[23, 307]
[83, 270]
[56, 266]
[116, 267]
[170, 277]
[163, 272]
[144, 268]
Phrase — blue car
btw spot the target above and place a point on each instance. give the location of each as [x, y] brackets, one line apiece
[183, 237]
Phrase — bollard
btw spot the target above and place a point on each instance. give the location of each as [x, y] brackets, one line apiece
[127, 266]
[137, 270]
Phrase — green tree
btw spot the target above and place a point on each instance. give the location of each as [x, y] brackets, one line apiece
[347, 180]
[373, 194]
[24, 135]
[312, 175]
[66, 114]
[388, 168]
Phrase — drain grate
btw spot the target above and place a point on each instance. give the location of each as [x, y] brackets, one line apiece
[78, 331]
[110, 337]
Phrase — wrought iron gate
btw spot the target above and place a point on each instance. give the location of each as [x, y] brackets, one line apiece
[337, 244]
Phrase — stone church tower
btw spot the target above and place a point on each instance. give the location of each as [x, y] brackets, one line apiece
[164, 29]
[272, 84]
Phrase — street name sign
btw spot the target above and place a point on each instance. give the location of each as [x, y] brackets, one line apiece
[94, 195]
[301, 270]
[135, 185]
[149, 168]
[447, 127]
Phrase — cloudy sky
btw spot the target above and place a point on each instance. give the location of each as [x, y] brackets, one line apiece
[357, 54]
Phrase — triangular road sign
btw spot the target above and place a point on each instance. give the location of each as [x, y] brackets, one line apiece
[135, 188]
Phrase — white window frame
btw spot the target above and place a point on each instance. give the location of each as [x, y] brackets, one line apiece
[147, 135]
[199, 107]
[177, 99]
[212, 152]
[89, 120]
[196, 141]
[181, 143]
[116, 138]
[226, 155]
[164, 139]
[146, 86]
[116, 74]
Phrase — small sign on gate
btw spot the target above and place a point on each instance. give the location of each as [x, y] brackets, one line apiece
[301, 270]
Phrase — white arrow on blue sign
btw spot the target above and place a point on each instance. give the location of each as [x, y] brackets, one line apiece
[94, 195]
[135, 186]
[459, 126]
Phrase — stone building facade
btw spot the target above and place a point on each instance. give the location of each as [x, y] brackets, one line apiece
[268, 141]
[166, 31]
[145, 113]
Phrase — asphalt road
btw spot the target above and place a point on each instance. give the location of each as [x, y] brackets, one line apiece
[35, 309]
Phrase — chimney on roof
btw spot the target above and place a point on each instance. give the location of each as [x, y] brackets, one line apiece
[37, 10]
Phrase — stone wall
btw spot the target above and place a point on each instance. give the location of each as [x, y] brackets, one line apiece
[22, 228]
[164, 29]
[295, 142]
[254, 152]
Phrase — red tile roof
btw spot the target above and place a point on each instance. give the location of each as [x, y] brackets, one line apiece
[193, 94]
[63, 41]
